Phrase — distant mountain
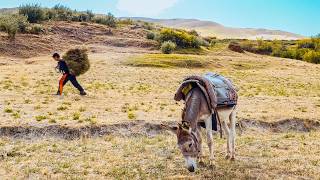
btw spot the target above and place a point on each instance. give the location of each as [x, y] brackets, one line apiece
[8, 10]
[209, 28]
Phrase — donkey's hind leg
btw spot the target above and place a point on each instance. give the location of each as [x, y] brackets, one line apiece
[208, 122]
[233, 120]
[224, 118]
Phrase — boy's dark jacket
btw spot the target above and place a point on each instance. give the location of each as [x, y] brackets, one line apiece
[63, 68]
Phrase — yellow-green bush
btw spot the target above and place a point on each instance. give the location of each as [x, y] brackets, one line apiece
[108, 20]
[181, 38]
[12, 24]
[151, 35]
[36, 29]
[168, 47]
[312, 57]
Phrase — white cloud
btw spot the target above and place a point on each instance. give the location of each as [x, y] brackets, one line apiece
[145, 7]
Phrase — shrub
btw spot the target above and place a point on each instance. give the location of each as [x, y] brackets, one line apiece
[306, 43]
[168, 47]
[181, 38]
[13, 23]
[235, 46]
[312, 57]
[90, 15]
[36, 29]
[264, 47]
[108, 20]
[62, 13]
[300, 53]
[148, 26]
[34, 12]
[194, 32]
[126, 21]
[50, 14]
[151, 35]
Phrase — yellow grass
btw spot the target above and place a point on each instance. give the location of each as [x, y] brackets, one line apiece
[270, 89]
[259, 156]
[129, 85]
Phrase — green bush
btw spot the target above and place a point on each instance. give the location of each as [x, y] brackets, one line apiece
[90, 15]
[108, 20]
[264, 47]
[312, 57]
[34, 12]
[300, 53]
[126, 21]
[306, 43]
[62, 13]
[12, 24]
[181, 38]
[148, 26]
[168, 47]
[151, 35]
[194, 32]
[36, 29]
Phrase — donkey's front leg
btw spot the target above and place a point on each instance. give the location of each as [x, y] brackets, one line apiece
[210, 138]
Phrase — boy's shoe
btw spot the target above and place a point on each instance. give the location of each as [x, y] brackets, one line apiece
[83, 93]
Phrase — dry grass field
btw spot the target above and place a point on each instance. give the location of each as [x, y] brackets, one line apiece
[259, 156]
[129, 84]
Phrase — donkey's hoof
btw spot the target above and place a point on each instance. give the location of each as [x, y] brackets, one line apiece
[233, 158]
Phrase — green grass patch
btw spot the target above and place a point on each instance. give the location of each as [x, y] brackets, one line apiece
[168, 61]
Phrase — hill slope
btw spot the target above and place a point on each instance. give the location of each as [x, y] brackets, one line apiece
[209, 28]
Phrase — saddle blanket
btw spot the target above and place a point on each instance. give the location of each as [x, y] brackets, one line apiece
[218, 90]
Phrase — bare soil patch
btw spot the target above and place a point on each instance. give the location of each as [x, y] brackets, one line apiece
[140, 127]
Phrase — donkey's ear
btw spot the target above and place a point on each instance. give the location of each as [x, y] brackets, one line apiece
[173, 129]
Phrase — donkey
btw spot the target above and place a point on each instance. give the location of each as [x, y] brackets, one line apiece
[188, 132]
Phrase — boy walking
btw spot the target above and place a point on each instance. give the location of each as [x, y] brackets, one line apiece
[63, 68]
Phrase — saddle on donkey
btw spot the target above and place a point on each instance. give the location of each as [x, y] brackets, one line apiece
[218, 90]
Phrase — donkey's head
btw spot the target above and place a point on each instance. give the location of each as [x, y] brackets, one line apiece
[189, 143]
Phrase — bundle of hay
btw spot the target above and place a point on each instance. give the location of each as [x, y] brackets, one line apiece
[77, 61]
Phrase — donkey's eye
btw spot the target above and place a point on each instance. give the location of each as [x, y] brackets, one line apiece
[190, 145]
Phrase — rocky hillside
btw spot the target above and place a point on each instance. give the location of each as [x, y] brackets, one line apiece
[59, 35]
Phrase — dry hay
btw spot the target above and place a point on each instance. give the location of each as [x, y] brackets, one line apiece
[77, 61]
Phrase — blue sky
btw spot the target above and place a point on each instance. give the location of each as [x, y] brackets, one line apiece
[298, 16]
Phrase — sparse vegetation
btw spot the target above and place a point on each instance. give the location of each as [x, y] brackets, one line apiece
[36, 29]
[168, 47]
[128, 86]
[306, 49]
[41, 117]
[151, 35]
[34, 12]
[108, 20]
[181, 38]
[12, 24]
